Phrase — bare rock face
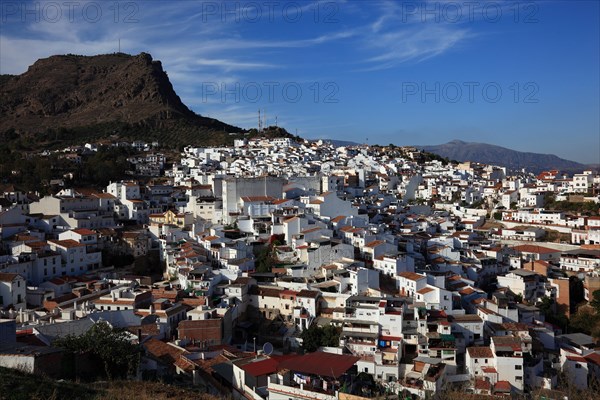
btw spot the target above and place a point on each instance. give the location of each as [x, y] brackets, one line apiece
[70, 91]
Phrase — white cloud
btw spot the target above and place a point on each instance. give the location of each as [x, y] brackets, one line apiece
[412, 44]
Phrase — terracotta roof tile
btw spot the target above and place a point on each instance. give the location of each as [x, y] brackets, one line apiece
[480, 352]
[413, 276]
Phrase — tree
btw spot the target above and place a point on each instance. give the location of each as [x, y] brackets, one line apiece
[596, 301]
[576, 292]
[107, 164]
[545, 305]
[110, 259]
[264, 260]
[331, 336]
[519, 298]
[551, 314]
[316, 336]
[112, 347]
[584, 321]
[265, 255]
[148, 264]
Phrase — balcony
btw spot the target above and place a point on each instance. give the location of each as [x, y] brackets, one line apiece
[434, 372]
[414, 383]
[314, 389]
[294, 390]
[360, 341]
[393, 311]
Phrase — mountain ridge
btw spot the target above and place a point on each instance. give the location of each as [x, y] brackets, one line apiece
[493, 154]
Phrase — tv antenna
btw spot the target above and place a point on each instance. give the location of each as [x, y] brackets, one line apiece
[259, 121]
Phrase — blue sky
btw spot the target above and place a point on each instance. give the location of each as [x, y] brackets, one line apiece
[521, 75]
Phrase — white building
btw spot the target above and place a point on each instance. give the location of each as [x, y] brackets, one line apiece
[13, 291]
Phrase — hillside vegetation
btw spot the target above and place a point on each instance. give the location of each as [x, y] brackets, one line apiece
[15, 385]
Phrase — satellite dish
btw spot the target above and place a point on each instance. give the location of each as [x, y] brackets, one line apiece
[267, 349]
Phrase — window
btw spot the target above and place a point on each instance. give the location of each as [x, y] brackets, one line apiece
[518, 367]
[476, 361]
[577, 365]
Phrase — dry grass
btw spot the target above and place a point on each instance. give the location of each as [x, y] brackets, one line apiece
[565, 389]
[492, 224]
[126, 390]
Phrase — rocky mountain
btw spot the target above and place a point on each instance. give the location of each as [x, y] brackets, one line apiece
[492, 154]
[112, 93]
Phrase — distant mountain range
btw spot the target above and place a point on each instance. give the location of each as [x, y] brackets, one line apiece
[341, 143]
[497, 155]
[459, 150]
